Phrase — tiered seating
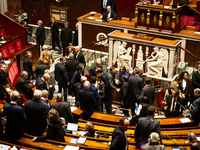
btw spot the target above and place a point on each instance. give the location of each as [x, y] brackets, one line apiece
[3, 33]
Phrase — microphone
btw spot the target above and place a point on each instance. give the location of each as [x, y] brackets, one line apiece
[182, 107]
[172, 140]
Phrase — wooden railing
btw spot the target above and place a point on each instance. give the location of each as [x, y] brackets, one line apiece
[190, 53]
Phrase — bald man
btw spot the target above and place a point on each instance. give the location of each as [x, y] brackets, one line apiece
[93, 69]
[109, 14]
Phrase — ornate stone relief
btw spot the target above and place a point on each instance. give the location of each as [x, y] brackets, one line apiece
[101, 36]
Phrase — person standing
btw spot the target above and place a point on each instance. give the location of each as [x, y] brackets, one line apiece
[79, 55]
[40, 34]
[66, 37]
[3, 80]
[61, 76]
[195, 82]
[119, 137]
[145, 126]
[54, 34]
[27, 64]
[75, 41]
[94, 68]
[15, 118]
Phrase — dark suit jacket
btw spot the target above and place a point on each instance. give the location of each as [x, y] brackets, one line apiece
[196, 80]
[40, 33]
[87, 101]
[93, 71]
[14, 121]
[39, 69]
[112, 15]
[40, 84]
[66, 36]
[196, 111]
[27, 64]
[123, 94]
[149, 92]
[61, 75]
[76, 78]
[55, 31]
[64, 110]
[22, 86]
[36, 114]
[118, 139]
[145, 126]
[71, 67]
[107, 85]
[111, 80]
[54, 132]
[109, 3]
[3, 78]
[135, 85]
[80, 58]
[96, 94]
[75, 42]
[169, 103]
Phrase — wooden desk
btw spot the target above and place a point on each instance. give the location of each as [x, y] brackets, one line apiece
[113, 119]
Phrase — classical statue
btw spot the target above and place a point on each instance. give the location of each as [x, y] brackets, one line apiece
[123, 55]
[157, 62]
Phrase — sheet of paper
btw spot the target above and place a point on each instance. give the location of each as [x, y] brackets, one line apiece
[166, 7]
[4, 147]
[73, 108]
[8, 89]
[14, 148]
[68, 147]
[81, 140]
[90, 18]
[93, 12]
[7, 62]
[73, 141]
[184, 120]
[72, 127]
[98, 20]
[197, 32]
[198, 138]
[82, 133]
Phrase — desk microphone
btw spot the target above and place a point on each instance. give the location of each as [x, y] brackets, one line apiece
[182, 107]
[172, 140]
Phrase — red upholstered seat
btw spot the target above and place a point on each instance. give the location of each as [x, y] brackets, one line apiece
[3, 33]
[13, 73]
[18, 44]
[4, 52]
[11, 49]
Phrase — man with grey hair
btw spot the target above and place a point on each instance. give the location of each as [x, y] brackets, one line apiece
[78, 55]
[37, 114]
[135, 87]
[23, 87]
[94, 68]
[15, 118]
[192, 137]
[40, 34]
[3, 80]
[87, 100]
[66, 37]
[41, 82]
[195, 82]
[154, 142]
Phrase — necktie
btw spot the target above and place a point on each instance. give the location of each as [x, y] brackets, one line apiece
[173, 107]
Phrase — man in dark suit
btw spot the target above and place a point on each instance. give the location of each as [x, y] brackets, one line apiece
[119, 137]
[195, 82]
[61, 76]
[79, 55]
[93, 69]
[15, 118]
[80, 86]
[87, 100]
[95, 91]
[75, 41]
[173, 104]
[41, 82]
[63, 109]
[75, 81]
[148, 91]
[55, 33]
[105, 4]
[135, 86]
[40, 34]
[71, 65]
[27, 64]
[145, 126]
[124, 95]
[111, 78]
[3, 80]
[36, 114]
[109, 14]
[66, 37]
[40, 68]
[23, 87]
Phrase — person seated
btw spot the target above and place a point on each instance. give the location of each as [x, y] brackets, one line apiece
[194, 146]
[109, 14]
[192, 137]
[64, 125]
[153, 142]
[55, 130]
[89, 127]
[1, 38]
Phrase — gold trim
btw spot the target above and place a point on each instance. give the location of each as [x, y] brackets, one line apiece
[59, 1]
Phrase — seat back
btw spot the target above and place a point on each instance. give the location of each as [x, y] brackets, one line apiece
[3, 33]
[13, 72]
[18, 44]
[4, 52]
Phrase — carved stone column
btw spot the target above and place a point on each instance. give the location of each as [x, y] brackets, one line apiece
[110, 52]
[136, 16]
[148, 18]
[183, 44]
[3, 6]
[79, 33]
[171, 63]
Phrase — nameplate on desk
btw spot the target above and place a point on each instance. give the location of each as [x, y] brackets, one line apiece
[68, 147]
[185, 120]
[91, 18]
